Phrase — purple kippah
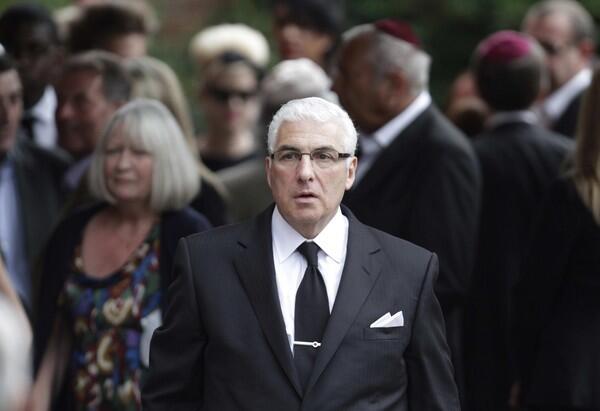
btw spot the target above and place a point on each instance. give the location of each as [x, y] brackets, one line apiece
[398, 29]
[503, 47]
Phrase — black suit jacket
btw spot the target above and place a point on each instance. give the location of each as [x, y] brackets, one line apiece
[425, 187]
[566, 123]
[518, 161]
[38, 175]
[223, 345]
[559, 308]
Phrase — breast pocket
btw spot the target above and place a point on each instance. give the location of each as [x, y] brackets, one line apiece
[385, 333]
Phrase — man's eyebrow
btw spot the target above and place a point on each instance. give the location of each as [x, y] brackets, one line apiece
[288, 147]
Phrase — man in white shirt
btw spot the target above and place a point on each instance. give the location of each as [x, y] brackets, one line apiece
[566, 32]
[303, 307]
[30, 195]
[30, 36]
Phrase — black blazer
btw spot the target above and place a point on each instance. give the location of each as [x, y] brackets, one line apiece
[566, 123]
[38, 175]
[223, 344]
[58, 258]
[425, 187]
[559, 308]
[519, 161]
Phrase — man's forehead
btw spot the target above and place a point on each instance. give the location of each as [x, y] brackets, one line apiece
[551, 26]
[309, 132]
[10, 82]
[79, 81]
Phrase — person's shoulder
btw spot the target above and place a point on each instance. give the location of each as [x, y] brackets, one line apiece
[218, 236]
[400, 252]
[445, 138]
[186, 217]
[42, 158]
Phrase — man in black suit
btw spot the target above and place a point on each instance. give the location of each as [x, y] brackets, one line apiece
[257, 322]
[519, 159]
[418, 178]
[566, 32]
[30, 35]
[30, 195]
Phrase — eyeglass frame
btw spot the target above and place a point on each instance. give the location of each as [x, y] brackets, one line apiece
[310, 154]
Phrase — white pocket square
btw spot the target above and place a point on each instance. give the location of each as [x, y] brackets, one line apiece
[388, 320]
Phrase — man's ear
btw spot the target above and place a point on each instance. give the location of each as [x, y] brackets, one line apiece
[268, 164]
[351, 176]
[587, 48]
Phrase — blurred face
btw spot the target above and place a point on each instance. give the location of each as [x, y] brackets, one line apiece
[354, 82]
[37, 58]
[127, 45]
[127, 170]
[564, 57]
[296, 40]
[82, 111]
[306, 195]
[229, 99]
[11, 109]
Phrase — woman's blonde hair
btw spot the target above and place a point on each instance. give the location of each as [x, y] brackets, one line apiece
[147, 124]
[586, 161]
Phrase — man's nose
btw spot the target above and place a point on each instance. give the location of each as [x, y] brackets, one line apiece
[306, 169]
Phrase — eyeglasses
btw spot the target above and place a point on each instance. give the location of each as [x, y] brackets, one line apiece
[224, 95]
[321, 157]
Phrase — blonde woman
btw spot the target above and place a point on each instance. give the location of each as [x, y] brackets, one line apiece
[107, 266]
[559, 293]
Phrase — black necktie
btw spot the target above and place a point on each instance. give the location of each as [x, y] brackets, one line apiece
[311, 314]
[28, 122]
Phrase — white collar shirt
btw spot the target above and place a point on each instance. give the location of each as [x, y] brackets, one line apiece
[12, 240]
[556, 103]
[517, 116]
[44, 127]
[371, 146]
[290, 264]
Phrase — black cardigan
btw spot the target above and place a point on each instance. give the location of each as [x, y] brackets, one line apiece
[58, 257]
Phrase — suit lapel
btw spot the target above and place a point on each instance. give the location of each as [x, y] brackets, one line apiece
[402, 151]
[361, 270]
[254, 265]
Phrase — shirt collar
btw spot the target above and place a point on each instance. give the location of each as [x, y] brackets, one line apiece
[517, 116]
[287, 240]
[44, 109]
[388, 132]
[554, 105]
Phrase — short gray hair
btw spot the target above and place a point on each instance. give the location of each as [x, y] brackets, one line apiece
[148, 124]
[313, 109]
[389, 54]
[582, 22]
[15, 365]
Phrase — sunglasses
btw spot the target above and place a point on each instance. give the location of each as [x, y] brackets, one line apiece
[224, 95]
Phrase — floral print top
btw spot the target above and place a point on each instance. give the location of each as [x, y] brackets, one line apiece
[113, 320]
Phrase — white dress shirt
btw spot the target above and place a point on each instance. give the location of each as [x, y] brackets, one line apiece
[372, 145]
[12, 236]
[516, 116]
[290, 264]
[556, 103]
[44, 127]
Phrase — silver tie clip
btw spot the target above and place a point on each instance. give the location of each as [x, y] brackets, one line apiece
[314, 344]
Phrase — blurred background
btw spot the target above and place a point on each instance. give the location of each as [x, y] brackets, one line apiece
[450, 29]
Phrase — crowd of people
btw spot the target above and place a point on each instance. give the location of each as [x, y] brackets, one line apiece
[290, 203]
